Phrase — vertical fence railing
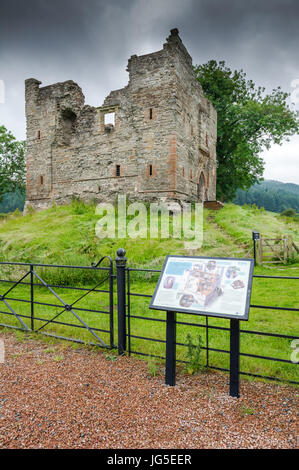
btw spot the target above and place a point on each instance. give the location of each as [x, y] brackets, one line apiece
[129, 311]
[111, 305]
[121, 299]
[32, 295]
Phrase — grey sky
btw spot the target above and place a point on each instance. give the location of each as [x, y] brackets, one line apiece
[90, 42]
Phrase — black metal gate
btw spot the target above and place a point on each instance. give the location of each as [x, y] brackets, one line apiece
[37, 322]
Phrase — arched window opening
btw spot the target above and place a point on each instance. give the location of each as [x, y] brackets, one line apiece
[201, 190]
[68, 116]
[68, 122]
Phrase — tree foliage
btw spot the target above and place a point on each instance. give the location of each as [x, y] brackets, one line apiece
[12, 163]
[12, 201]
[249, 121]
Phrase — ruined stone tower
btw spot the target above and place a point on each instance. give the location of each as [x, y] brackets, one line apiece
[155, 139]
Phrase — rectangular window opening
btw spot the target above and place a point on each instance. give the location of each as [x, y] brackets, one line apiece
[151, 170]
[109, 118]
[117, 171]
[151, 113]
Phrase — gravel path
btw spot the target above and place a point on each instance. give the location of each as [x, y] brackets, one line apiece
[60, 397]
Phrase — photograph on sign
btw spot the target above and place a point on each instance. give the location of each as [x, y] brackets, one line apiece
[208, 286]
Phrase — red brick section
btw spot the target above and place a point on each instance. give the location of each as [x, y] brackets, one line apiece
[172, 165]
[214, 205]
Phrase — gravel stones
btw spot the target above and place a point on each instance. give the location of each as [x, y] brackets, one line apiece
[87, 401]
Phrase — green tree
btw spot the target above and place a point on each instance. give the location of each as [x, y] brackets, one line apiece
[289, 212]
[12, 201]
[12, 163]
[249, 121]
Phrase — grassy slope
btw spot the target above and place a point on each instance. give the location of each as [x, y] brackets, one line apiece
[239, 222]
[66, 235]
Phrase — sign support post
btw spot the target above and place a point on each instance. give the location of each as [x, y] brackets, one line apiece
[213, 287]
[234, 358]
[170, 348]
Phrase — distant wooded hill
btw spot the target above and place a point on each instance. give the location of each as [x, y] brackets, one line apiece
[272, 195]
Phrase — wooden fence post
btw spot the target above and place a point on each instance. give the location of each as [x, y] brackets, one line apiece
[285, 250]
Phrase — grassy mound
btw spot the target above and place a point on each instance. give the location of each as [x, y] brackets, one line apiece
[66, 235]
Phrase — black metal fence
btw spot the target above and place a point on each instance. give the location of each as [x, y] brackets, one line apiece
[23, 297]
[37, 314]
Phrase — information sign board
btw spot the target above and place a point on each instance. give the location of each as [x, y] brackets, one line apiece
[219, 287]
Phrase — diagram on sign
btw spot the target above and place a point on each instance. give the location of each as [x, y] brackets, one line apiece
[213, 286]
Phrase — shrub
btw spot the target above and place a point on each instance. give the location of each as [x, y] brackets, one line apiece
[289, 212]
[193, 355]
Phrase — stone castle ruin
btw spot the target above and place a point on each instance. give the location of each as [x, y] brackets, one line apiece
[154, 140]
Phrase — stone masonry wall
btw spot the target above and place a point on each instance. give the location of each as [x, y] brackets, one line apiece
[161, 145]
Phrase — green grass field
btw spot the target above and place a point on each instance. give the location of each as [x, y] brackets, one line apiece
[65, 235]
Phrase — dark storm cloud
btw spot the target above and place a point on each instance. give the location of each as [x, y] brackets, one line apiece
[42, 30]
[87, 41]
[254, 34]
[93, 35]
[90, 41]
[52, 27]
[58, 37]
